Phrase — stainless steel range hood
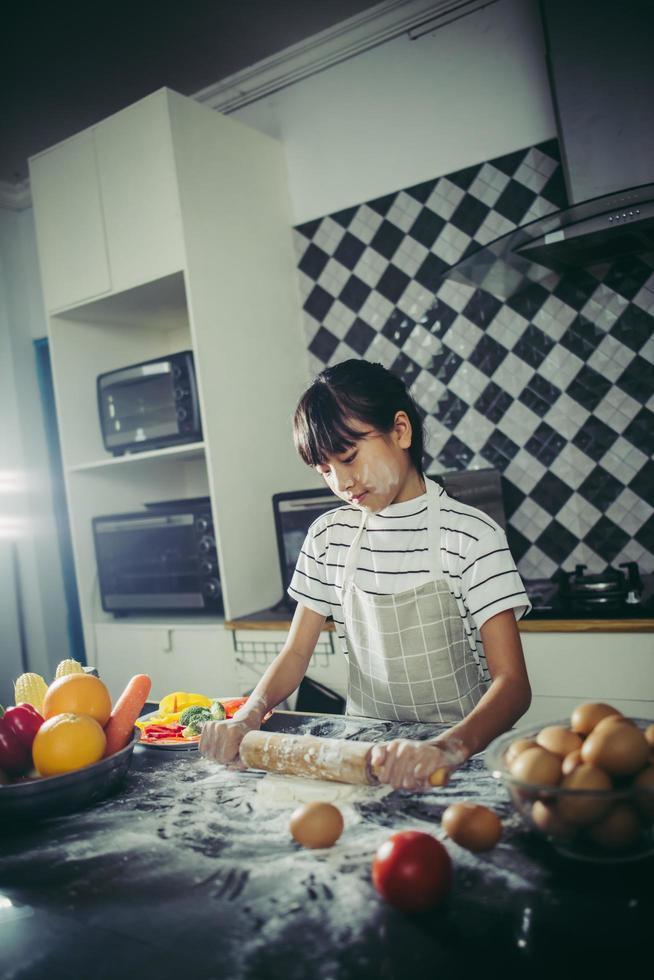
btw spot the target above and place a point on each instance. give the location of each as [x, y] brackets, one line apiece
[601, 71]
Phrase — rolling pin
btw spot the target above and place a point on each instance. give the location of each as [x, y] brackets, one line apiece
[336, 759]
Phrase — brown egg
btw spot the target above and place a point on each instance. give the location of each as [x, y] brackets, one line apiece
[571, 761]
[644, 786]
[619, 828]
[538, 767]
[610, 722]
[649, 735]
[586, 716]
[316, 824]
[620, 749]
[515, 748]
[547, 819]
[559, 740]
[471, 825]
[579, 810]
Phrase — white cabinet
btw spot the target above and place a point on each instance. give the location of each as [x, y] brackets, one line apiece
[166, 228]
[136, 169]
[107, 206]
[182, 658]
[566, 669]
[70, 226]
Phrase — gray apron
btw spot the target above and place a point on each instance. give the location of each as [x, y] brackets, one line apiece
[408, 655]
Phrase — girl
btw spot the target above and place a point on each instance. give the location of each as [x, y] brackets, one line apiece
[423, 591]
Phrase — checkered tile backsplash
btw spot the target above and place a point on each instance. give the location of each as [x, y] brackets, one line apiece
[554, 388]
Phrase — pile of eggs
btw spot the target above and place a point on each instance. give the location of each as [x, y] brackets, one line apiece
[590, 781]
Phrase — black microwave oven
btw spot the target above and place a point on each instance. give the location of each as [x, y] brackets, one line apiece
[159, 559]
[149, 405]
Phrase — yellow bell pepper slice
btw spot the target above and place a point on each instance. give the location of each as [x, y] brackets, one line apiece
[179, 700]
[158, 719]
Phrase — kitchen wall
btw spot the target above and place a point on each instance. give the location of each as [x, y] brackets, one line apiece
[407, 111]
[551, 388]
[554, 388]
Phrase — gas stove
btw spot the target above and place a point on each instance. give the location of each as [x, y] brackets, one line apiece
[611, 594]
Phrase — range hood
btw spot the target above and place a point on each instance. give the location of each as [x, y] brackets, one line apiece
[601, 69]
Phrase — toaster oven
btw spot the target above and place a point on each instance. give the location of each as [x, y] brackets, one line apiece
[149, 405]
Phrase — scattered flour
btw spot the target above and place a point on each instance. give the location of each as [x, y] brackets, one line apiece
[275, 790]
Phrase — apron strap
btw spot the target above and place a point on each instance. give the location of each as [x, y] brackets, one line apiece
[353, 554]
[434, 529]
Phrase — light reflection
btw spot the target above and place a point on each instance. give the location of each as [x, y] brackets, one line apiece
[12, 527]
[12, 481]
[13, 910]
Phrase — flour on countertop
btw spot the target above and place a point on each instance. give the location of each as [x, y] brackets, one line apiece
[276, 790]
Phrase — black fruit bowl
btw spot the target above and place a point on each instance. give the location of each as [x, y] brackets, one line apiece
[52, 796]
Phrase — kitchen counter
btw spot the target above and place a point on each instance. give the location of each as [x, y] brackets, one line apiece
[267, 619]
[184, 874]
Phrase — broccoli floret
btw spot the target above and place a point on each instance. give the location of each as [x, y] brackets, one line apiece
[217, 711]
[194, 718]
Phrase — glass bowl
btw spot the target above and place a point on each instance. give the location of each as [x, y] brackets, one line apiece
[602, 826]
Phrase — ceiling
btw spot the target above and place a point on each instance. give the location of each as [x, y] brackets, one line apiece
[65, 66]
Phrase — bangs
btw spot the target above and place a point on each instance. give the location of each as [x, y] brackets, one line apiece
[320, 429]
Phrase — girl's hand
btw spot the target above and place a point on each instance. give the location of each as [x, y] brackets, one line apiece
[406, 764]
[221, 740]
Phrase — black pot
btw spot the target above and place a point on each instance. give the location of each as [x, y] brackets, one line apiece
[608, 589]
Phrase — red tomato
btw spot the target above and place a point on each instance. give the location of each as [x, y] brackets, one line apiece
[412, 871]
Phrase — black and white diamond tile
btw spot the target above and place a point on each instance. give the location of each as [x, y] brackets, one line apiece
[554, 387]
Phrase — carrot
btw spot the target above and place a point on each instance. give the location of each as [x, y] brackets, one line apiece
[125, 712]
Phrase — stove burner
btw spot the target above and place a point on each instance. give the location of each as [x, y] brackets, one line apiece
[611, 593]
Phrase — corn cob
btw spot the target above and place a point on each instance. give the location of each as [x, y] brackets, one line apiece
[68, 667]
[30, 689]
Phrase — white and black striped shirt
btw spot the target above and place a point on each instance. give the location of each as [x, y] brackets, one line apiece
[394, 556]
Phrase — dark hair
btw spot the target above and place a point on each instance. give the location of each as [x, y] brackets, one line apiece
[353, 390]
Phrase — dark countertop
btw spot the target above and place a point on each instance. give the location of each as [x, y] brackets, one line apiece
[183, 874]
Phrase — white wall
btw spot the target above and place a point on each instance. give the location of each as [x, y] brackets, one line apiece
[409, 111]
[23, 451]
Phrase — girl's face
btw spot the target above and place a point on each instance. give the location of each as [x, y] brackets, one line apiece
[377, 470]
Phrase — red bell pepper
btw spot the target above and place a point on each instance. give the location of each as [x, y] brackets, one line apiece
[18, 726]
[153, 732]
[24, 721]
[231, 705]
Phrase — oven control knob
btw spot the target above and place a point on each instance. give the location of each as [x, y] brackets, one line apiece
[207, 567]
[207, 544]
[211, 589]
[179, 393]
[203, 524]
[181, 414]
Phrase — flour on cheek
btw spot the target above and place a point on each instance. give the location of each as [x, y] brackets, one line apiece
[383, 479]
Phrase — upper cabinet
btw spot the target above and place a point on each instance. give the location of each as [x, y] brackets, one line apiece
[107, 206]
[166, 228]
[70, 223]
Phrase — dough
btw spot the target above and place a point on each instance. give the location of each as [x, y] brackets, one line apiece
[276, 790]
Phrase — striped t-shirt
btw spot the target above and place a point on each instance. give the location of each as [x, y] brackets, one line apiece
[394, 556]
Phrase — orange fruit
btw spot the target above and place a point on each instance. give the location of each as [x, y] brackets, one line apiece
[66, 742]
[79, 694]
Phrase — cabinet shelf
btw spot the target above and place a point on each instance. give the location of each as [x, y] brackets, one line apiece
[165, 621]
[193, 450]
